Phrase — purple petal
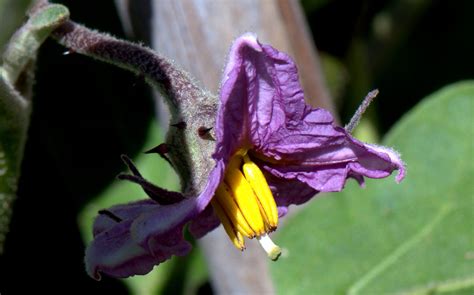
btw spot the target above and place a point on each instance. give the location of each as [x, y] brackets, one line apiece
[204, 223]
[130, 239]
[282, 211]
[313, 132]
[259, 84]
[327, 167]
[123, 212]
[288, 192]
[114, 253]
[159, 221]
[263, 109]
[395, 159]
[262, 104]
[214, 179]
[155, 225]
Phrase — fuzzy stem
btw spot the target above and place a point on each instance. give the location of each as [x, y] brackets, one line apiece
[190, 155]
[157, 70]
[361, 110]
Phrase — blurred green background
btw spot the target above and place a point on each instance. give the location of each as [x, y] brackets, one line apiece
[415, 237]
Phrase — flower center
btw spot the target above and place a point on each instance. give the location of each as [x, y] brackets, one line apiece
[245, 205]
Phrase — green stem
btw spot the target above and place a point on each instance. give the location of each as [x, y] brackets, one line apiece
[16, 80]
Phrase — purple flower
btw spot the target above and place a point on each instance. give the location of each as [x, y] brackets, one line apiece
[272, 150]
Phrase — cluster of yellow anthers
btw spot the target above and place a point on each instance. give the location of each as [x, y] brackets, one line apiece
[245, 205]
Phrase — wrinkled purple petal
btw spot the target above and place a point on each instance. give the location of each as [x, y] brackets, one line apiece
[231, 122]
[148, 228]
[114, 253]
[290, 192]
[395, 159]
[327, 168]
[263, 109]
[315, 130]
[259, 84]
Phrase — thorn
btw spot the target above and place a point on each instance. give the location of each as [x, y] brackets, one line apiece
[160, 149]
[110, 215]
[180, 125]
[204, 132]
[156, 193]
[130, 165]
[123, 176]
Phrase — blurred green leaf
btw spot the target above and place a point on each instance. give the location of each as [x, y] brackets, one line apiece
[12, 14]
[310, 6]
[15, 96]
[416, 237]
[186, 275]
[197, 273]
[336, 76]
[160, 173]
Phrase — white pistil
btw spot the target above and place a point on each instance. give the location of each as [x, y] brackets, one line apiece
[273, 251]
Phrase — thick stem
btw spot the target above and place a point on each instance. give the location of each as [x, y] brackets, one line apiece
[190, 154]
[158, 70]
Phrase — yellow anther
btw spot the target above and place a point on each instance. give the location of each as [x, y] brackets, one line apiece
[233, 211]
[245, 205]
[240, 241]
[245, 199]
[235, 237]
[257, 181]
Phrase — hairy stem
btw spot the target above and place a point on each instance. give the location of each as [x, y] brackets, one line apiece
[190, 154]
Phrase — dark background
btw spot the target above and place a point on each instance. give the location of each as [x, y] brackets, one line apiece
[87, 113]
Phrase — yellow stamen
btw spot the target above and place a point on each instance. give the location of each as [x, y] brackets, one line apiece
[234, 236]
[233, 211]
[257, 181]
[245, 199]
[245, 205]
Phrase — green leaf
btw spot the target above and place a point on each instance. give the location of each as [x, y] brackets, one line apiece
[336, 76]
[12, 14]
[416, 237]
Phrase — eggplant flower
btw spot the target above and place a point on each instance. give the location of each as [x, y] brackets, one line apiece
[272, 150]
